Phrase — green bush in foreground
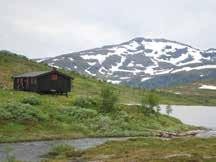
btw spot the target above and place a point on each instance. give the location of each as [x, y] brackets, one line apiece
[20, 112]
[77, 113]
[64, 150]
[108, 99]
[32, 100]
[150, 103]
[86, 102]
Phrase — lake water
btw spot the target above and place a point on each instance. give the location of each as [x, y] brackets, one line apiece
[193, 115]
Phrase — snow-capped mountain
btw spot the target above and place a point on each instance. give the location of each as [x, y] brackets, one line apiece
[142, 62]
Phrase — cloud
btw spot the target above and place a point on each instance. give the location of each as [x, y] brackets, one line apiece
[52, 27]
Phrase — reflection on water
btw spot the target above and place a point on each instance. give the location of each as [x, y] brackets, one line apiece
[195, 115]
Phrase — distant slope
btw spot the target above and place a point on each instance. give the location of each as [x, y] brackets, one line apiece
[142, 62]
[203, 92]
[199, 88]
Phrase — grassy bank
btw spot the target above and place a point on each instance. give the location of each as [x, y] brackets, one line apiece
[28, 116]
[143, 149]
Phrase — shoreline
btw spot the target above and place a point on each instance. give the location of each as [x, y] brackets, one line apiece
[160, 134]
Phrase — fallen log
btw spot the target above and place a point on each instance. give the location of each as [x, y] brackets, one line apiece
[164, 134]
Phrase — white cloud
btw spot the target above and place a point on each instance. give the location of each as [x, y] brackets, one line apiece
[47, 28]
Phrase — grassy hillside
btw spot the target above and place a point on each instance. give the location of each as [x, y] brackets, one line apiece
[11, 64]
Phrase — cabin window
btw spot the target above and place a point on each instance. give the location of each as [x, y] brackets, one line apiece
[35, 81]
[21, 81]
[32, 81]
[54, 77]
[18, 83]
[27, 82]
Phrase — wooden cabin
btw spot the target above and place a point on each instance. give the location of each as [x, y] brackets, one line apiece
[43, 82]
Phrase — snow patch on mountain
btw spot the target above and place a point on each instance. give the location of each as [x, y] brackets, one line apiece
[195, 68]
[132, 46]
[114, 81]
[137, 61]
[210, 87]
[144, 79]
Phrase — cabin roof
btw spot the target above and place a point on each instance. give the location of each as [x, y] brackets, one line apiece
[38, 73]
[31, 74]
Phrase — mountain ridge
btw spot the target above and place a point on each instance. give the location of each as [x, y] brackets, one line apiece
[140, 62]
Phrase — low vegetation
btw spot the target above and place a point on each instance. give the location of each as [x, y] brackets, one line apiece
[86, 102]
[63, 151]
[150, 103]
[31, 100]
[143, 149]
[137, 149]
[155, 150]
[26, 116]
[19, 112]
[108, 100]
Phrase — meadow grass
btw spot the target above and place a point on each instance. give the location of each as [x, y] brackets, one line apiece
[155, 150]
[142, 149]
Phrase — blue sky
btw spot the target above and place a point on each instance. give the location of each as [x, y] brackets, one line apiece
[45, 28]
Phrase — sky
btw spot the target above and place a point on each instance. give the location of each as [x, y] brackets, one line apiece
[47, 28]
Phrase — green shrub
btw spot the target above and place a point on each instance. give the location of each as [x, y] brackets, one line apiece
[77, 113]
[104, 123]
[64, 150]
[123, 115]
[32, 100]
[86, 102]
[150, 103]
[1, 85]
[108, 99]
[20, 112]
